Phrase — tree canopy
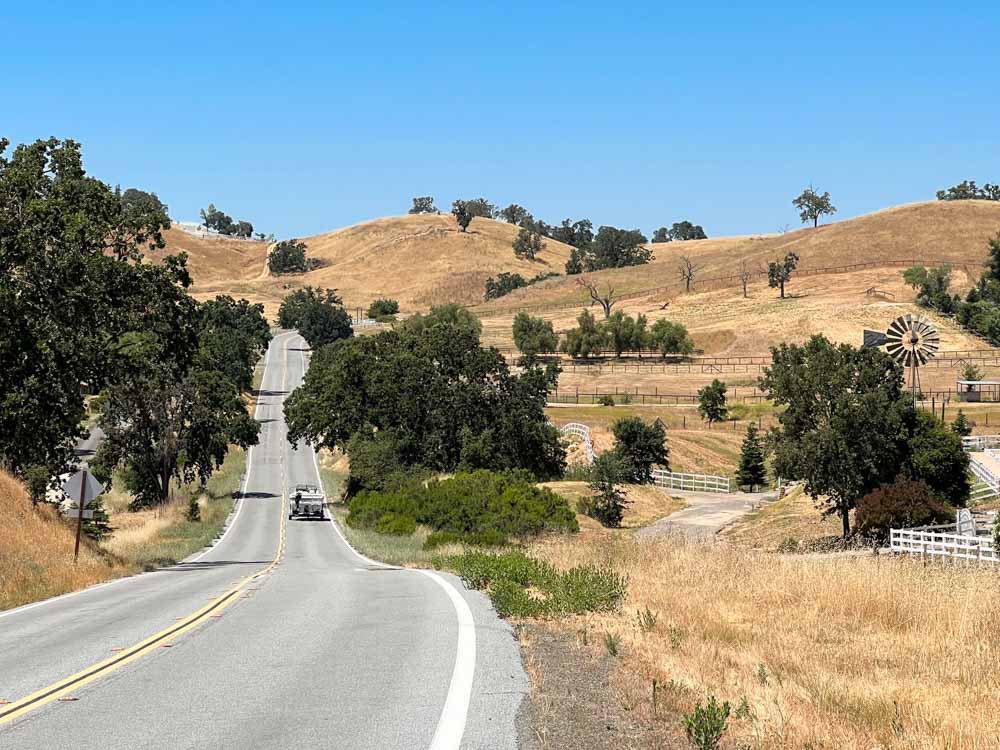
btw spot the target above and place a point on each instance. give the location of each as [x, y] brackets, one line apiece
[295, 305]
[222, 223]
[811, 206]
[75, 297]
[423, 205]
[712, 402]
[533, 336]
[439, 398]
[968, 190]
[640, 446]
[849, 427]
[780, 271]
[528, 244]
[610, 248]
[288, 256]
[463, 217]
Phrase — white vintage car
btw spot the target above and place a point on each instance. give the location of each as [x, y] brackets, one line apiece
[307, 501]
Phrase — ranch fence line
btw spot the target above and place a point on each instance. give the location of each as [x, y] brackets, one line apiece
[672, 480]
[735, 280]
[661, 477]
[942, 541]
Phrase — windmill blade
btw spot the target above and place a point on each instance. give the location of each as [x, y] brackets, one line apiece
[897, 329]
[873, 339]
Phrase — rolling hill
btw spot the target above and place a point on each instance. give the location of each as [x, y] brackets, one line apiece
[419, 260]
[946, 231]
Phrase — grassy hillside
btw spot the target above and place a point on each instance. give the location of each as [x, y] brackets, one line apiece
[419, 260]
[215, 259]
[954, 231]
[36, 551]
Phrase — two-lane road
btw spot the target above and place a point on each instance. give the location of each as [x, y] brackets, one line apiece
[322, 649]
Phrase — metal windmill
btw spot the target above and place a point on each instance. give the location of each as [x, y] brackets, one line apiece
[911, 340]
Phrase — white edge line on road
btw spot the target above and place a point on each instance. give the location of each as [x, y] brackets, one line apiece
[451, 724]
[239, 507]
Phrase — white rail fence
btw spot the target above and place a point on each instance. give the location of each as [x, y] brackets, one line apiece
[980, 442]
[942, 541]
[661, 477]
[695, 482]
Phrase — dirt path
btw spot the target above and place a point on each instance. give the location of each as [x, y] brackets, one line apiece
[706, 513]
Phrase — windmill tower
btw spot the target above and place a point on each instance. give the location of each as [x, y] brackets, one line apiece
[911, 340]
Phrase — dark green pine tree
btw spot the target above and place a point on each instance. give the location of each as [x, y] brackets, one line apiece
[98, 527]
[961, 425]
[752, 471]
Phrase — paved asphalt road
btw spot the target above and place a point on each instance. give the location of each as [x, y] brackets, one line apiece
[323, 649]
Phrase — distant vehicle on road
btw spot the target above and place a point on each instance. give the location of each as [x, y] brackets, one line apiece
[307, 501]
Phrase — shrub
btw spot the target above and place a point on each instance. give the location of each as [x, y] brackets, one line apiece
[395, 524]
[903, 504]
[606, 400]
[367, 509]
[480, 507]
[383, 308]
[521, 586]
[706, 724]
[193, 512]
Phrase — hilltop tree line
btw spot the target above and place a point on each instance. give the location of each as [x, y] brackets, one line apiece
[214, 219]
[85, 312]
[980, 310]
[609, 247]
[968, 190]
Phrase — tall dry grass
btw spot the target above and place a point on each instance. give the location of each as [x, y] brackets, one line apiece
[857, 652]
[36, 551]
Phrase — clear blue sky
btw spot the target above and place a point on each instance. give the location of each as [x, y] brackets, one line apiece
[304, 117]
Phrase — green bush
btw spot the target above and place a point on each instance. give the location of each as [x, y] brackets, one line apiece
[367, 509]
[395, 524]
[706, 724]
[521, 586]
[383, 308]
[479, 507]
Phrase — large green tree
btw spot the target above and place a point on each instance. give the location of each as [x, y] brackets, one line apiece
[586, 339]
[294, 306]
[75, 297]
[232, 336]
[444, 401]
[614, 248]
[846, 422]
[752, 471]
[533, 336]
[811, 206]
[288, 256]
[640, 446]
[159, 429]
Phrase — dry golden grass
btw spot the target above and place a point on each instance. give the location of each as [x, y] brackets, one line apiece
[794, 517]
[858, 652]
[36, 551]
[419, 260]
[216, 259]
[941, 230]
[645, 504]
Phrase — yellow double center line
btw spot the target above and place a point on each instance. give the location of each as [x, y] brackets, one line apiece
[96, 671]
